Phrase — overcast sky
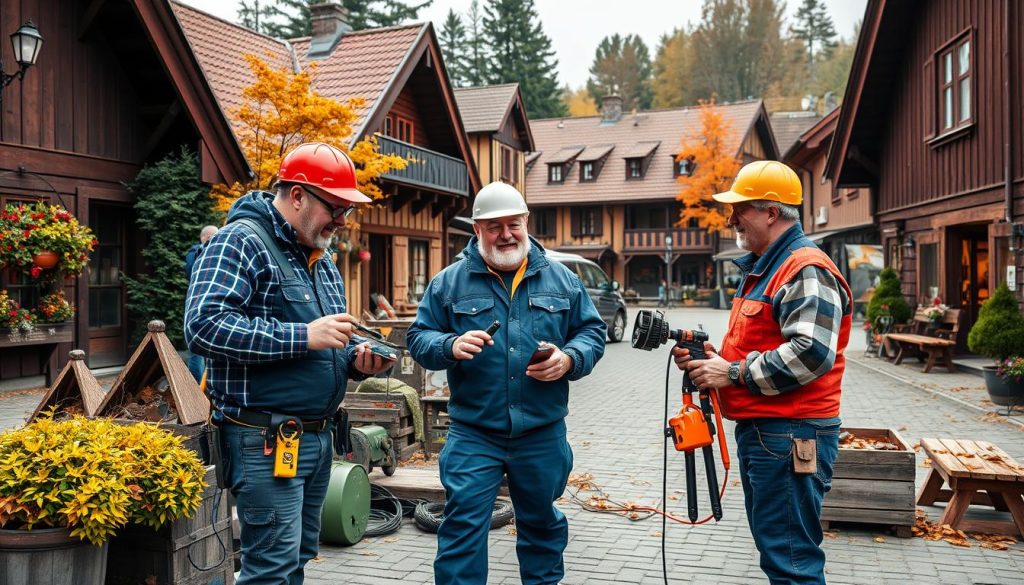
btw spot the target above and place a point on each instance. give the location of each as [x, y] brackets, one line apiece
[577, 26]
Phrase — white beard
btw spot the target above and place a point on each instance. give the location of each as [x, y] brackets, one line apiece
[315, 236]
[504, 261]
[741, 241]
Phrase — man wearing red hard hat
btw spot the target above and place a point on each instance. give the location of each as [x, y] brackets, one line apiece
[266, 309]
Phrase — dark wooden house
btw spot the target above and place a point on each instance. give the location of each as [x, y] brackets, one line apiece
[115, 86]
[931, 123]
[410, 108]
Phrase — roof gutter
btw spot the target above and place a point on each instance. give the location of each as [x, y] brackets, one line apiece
[1007, 113]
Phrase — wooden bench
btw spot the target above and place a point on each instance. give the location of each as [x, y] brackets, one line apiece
[927, 339]
[976, 472]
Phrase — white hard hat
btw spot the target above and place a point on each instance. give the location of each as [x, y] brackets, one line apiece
[498, 200]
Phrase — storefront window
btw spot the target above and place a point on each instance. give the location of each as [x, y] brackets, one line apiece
[417, 268]
[1003, 260]
[928, 277]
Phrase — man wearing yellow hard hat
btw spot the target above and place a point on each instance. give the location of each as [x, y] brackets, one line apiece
[779, 370]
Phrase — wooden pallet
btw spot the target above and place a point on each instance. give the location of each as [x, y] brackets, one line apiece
[873, 487]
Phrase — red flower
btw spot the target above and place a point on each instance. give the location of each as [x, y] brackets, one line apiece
[27, 233]
[36, 271]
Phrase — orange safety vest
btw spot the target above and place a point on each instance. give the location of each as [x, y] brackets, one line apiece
[752, 327]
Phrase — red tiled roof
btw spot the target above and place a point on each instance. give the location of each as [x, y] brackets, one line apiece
[668, 127]
[566, 154]
[362, 65]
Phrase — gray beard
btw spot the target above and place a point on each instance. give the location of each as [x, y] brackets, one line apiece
[309, 229]
[504, 261]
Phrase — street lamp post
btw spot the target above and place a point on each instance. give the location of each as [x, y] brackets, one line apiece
[26, 42]
[668, 270]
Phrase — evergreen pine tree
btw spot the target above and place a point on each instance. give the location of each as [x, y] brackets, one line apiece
[453, 47]
[477, 69]
[172, 206]
[814, 27]
[258, 16]
[888, 293]
[521, 52]
[671, 70]
[622, 66]
[362, 14]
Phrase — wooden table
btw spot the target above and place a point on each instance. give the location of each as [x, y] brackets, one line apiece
[977, 472]
[432, 407]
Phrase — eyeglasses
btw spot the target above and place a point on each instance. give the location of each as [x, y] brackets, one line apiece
[336, 212]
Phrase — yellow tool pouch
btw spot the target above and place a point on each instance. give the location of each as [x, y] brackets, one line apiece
[286, 449]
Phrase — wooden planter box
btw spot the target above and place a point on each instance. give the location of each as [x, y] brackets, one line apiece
[871, 486]
[368, 408]
[168, 554]
[42, 334]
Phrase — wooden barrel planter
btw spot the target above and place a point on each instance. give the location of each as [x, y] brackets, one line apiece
[46, 556]
[189, 551]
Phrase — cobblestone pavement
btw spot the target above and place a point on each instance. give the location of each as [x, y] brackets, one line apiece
[615, 427]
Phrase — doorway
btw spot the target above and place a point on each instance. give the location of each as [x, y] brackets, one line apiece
[967, 279]
[108, 341]
[378, 271]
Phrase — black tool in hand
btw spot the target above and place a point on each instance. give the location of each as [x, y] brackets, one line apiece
[378, 345]
[493, 328]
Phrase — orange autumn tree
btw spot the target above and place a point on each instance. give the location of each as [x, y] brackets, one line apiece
[714, 164]
[282, 111]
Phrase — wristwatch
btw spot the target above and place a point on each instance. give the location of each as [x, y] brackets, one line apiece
[734, 373]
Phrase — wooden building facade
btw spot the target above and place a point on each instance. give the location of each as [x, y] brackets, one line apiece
[408, 107]
[114, 87]
[932, 124]
[604, 187]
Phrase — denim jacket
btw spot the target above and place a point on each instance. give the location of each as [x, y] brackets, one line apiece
[491, 391]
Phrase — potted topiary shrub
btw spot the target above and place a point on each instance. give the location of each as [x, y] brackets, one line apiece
[999, 334]
[66, 486]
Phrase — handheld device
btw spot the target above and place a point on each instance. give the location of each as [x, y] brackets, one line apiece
[378, 345]
[542, 353]
[493, 328]
[694, 426]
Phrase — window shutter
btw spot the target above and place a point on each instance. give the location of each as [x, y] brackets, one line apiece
[598, 221]
[575, 222]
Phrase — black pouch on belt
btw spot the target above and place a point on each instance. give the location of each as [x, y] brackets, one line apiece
[211, 448]
[342, 430]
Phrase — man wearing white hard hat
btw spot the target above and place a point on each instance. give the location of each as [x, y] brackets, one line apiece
[508, 400]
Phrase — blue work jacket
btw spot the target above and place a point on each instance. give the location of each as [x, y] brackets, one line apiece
[491, 391]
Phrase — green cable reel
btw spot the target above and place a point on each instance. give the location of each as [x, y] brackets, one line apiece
[346, 508]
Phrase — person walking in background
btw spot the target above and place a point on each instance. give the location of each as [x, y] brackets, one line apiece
[195, 362]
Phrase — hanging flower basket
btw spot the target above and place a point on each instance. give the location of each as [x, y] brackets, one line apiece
[40, 237]
[45, 259]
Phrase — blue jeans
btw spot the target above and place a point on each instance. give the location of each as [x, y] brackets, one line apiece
[784, 508]
[472, 463]
[279, 517]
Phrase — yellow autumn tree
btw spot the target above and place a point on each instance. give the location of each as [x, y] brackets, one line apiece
[282, 111]
[579, 103]
[714, 165]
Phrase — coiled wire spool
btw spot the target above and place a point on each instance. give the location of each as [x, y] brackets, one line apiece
[428, 515]
[346, 509]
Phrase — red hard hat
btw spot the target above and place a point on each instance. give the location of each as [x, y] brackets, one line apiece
[324, 166]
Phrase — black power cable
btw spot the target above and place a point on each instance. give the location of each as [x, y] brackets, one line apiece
[428, 515]
[386, 512]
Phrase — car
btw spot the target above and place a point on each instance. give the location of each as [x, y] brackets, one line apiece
[603, 291]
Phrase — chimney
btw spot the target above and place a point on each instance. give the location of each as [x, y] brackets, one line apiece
[330, 23]
[611, 109]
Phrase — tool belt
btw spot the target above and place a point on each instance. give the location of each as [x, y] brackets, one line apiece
[252, 418]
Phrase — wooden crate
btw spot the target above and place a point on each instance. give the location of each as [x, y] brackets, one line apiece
[369, 408]
[873, 487]
[168, 554]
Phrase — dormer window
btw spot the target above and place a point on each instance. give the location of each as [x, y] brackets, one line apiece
[555, 174]
[683, 168]
[634, 168]
[587, 171]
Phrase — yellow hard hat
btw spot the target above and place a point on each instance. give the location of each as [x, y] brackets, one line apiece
[764, 179]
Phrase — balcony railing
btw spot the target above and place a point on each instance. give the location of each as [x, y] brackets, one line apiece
[653, 240]
[426, 169]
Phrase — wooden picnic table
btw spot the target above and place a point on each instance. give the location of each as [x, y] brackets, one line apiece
[979, 473]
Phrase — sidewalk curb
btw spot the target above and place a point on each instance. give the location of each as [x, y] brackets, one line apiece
[930, 390]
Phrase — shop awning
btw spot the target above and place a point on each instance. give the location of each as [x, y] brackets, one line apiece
[730, 254]
[591, 252]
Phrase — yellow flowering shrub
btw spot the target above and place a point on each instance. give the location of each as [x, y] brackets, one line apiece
[94, 476]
